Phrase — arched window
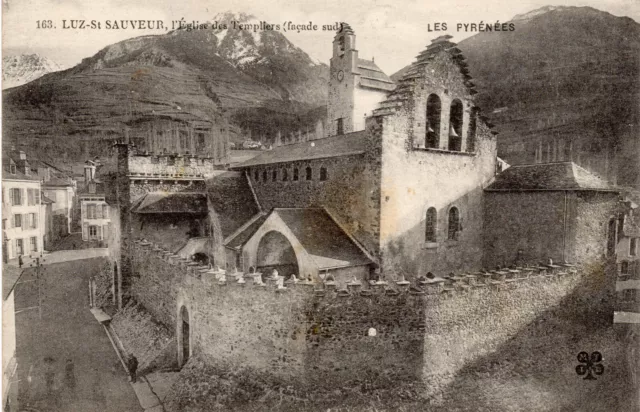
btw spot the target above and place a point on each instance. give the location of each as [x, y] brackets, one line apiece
[433, 121]
[295, 173]
[455, 126]
[274, 175]
[454, 224]
[309, 173]
[264, 175]
[256, 175]
[471, 133]
[430, 225]
[323, 173]
[285, 175]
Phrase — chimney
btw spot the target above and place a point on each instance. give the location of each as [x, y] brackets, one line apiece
[44, 173]
[89, 172]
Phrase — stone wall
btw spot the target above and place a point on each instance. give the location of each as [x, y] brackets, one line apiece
[349, 193]
[532, 222]
[593, 211]
[464, 326]
[416, 179]
[295, 334]
[386, 334]
[536, 226]
[170, 164]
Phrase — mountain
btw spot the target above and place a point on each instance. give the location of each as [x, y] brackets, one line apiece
[24, 68]
[200, 73]
[565, 84]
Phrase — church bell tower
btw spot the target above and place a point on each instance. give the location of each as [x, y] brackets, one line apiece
[343, 69]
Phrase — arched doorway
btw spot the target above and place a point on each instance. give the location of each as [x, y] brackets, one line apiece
[184, 347]
[276, 252]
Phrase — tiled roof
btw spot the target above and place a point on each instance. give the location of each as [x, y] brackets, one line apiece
[322, 238]
[57, 181]
[231, 198]
[245, 234]
[342, 145]
[408, 82]
[44, 199]
[548, 176]
[319, 235]
[18, 176]
[371, 76]
[164, 202]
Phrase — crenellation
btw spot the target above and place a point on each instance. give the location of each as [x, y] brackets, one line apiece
[450, 285]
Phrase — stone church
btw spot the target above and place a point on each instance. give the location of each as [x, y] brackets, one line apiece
[408, 242]
[398, 187]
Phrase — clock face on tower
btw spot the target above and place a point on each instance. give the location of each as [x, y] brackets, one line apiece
[340, 75]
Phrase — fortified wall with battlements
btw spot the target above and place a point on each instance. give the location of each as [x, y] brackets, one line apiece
[328, 335]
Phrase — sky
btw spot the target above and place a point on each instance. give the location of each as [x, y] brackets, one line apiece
[391, 31]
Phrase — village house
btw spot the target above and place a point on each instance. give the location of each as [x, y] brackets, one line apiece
[94, 210]
[61, 189]
[22, 220]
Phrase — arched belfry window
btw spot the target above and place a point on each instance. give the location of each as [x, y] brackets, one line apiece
[454, 224]
[309, 173]
[264, 175]
[285, 175]
[430, 225]
[433, 121]
[295, 173]
[455, 126]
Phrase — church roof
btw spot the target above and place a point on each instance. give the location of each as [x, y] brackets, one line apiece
[548, 176]
[372, 77]
[320, 237]
[407, 83]
[164, 202]
[231, 197]
[341, 145]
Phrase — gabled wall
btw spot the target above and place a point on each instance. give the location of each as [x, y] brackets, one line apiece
[415, 178]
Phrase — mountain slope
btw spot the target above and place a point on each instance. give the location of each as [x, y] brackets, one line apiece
[199, 73]
[565, 82]
[569, 75]
[24, 68]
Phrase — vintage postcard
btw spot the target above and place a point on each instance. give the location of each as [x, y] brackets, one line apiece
[330, 206]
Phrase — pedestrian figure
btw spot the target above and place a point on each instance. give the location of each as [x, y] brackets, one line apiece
[70, 376]
[49, 374]
[20, 261]
[132, 364]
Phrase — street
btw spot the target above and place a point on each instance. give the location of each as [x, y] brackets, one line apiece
[65, 360]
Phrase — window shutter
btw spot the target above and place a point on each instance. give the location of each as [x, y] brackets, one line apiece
[105, 232]
[11, 198]
[99, 232]
[105, 211]
[13, 249]
[85, 231]
[98, 212]
[35, 220]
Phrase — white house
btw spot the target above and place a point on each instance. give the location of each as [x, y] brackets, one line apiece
[22, 222]
[94, 209]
